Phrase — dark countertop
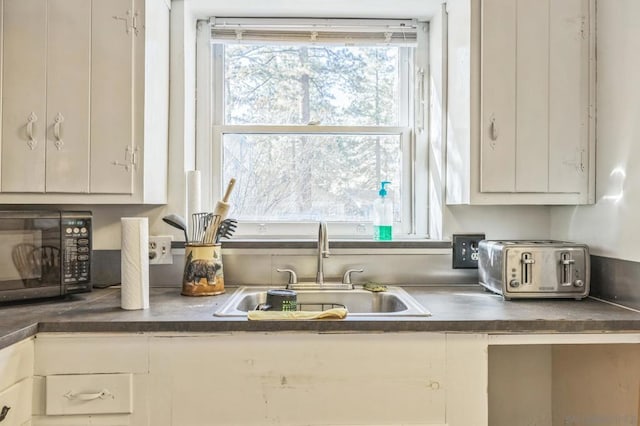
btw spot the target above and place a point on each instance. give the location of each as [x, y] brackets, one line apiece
[454, 309]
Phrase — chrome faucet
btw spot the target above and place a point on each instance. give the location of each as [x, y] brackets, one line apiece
[323, 251]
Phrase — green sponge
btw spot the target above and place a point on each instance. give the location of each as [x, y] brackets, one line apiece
[374, 287]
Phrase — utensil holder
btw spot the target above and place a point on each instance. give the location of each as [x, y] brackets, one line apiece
[203, 274]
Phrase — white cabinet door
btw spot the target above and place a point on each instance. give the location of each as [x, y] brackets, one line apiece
[84, 101]
[498, 96]
[68, 77]
[23, 97]
[112, 91]
[532, 96]
[569, 89]
[16, 363]
[535, 96]
[16, 402]
[45, 117]
[289, 378]
[521, 102]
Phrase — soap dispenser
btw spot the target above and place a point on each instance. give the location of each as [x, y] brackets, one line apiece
[383, 215]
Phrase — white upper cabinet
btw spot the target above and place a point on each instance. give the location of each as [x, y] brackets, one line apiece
[521, 94]
[85, 90]
[113, 152]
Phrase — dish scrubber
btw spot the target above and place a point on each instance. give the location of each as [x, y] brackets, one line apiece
[335, 313]
[374, 287]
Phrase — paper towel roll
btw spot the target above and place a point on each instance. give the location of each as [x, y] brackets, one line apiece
[135, 263]
[194, 193]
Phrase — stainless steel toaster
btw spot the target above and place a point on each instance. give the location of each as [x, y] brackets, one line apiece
[532, 269]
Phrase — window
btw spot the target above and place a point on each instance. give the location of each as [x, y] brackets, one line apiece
[310, 115]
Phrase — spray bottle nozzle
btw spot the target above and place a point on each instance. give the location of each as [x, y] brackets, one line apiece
[383, 190]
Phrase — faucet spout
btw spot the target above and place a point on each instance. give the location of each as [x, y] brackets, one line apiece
[323, 251]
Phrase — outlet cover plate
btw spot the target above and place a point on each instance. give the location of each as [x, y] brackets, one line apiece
[465, 250]
[160, 250]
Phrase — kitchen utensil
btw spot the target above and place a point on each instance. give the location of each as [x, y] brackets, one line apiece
[177, 222]
[222, 208]
[226, 229]
[199, 224]
[211, 230]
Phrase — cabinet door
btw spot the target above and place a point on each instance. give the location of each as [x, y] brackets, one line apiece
[498, 94]
[535, 96]
[284, 378]
[569, 96]
[532, 96]
[68, 83]
[112, 150]
[23, 97]
[16, 402]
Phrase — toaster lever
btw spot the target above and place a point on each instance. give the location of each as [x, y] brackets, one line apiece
[527, 268]
[566, 270]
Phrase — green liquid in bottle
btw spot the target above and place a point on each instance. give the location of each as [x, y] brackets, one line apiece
[382, 232]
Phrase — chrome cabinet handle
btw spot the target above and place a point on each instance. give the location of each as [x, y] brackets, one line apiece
[493, 129]
[32, 142]
[57, 127]
[88, 396]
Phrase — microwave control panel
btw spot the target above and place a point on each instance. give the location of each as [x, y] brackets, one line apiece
[76, 245]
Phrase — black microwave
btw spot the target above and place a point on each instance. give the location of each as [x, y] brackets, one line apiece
[44, 254]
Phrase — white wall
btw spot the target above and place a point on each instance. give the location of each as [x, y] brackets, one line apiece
[612, 227]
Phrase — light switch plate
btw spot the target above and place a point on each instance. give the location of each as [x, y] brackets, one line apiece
[465, 250]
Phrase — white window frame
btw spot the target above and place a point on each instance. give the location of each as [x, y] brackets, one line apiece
[412, 131]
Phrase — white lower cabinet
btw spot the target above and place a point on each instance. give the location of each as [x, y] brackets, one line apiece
[299, 379]
[16, 383]
[365, 379]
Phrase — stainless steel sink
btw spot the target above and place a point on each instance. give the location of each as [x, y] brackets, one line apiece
[395, 302]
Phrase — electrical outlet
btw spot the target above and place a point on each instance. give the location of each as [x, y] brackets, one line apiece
[465, 250]
[160, 250]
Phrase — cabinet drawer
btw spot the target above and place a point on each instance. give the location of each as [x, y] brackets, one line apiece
[16, 363]
[89, 394]
[16, 403]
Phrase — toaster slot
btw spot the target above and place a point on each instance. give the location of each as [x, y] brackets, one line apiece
[527, 262]
[566, 268]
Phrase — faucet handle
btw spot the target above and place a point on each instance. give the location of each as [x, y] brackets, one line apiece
[293, 278]
[346, 278]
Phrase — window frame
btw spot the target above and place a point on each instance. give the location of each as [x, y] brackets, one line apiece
[210, 129]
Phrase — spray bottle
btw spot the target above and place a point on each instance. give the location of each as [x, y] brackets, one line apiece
[383, 215]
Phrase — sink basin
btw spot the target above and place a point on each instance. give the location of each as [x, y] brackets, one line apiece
[395, 302]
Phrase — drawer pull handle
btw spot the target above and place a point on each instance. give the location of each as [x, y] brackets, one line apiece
[88, 396]
[4, 412]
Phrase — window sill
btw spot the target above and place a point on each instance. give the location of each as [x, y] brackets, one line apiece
[334, 244]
